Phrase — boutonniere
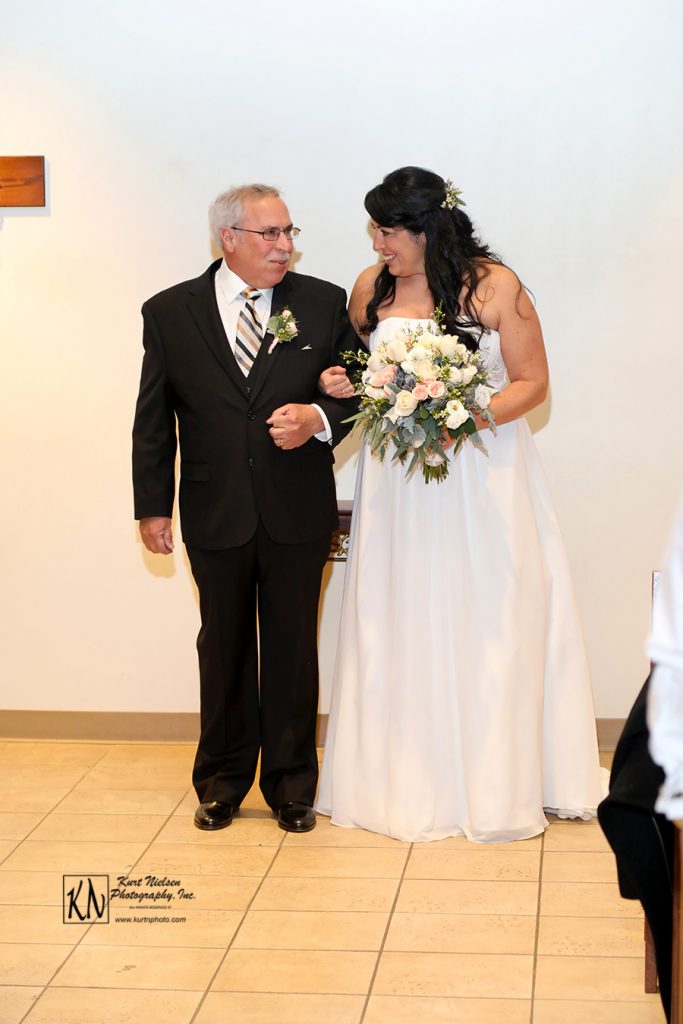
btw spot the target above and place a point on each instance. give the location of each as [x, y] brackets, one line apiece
[284, 328]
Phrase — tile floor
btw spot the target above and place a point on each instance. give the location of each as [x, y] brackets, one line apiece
[340, 926]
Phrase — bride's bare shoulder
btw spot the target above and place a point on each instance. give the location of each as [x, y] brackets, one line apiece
[362, 292]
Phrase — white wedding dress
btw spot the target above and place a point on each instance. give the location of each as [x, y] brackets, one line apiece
[461, 702]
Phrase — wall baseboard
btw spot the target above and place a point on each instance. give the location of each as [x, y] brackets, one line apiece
[161, 727]
[110, 726]
[609, 731]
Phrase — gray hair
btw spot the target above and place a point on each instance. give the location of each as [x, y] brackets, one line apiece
[227, 209]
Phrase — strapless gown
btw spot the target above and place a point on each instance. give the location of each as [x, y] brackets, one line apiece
[461, 701]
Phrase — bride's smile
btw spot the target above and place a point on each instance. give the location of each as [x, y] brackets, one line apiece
[401, 250]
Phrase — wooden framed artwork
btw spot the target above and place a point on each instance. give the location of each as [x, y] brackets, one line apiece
[22, 181]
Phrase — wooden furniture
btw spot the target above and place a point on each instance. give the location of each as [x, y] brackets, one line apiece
[677, 945]
[340, 538]
[677, 948]
[22, 181]
[650, 962]
[677, 955]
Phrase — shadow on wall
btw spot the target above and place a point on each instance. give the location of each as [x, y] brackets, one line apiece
[538, 418]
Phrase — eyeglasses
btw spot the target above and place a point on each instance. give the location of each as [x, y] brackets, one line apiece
[272, 234]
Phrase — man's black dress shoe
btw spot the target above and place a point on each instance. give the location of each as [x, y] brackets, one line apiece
[295, 817]
[214, 815]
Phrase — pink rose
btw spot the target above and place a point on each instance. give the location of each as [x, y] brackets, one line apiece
[436, 388]
[383, 376]
[420, 392]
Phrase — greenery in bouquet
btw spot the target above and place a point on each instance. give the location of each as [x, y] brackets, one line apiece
[417, 388]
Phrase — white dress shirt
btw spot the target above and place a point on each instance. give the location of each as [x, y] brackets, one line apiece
[665, 697]
[231, 303]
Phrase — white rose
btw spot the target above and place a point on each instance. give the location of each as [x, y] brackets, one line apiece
[396, 350]
[406, 402]
[457, 414]
[468, 372]
[418, 352]
[425, 369]
[455, 375]
[447, 345]
[375, 362]
[482, 395]
[461, 352]
[374, 392]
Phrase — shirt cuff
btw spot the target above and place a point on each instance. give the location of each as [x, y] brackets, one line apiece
[326, 434]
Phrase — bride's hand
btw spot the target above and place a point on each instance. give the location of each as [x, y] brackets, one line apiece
[335, 383]
[446, 441]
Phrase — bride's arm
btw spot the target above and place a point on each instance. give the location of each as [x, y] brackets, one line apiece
[334, 381]
[504, 306]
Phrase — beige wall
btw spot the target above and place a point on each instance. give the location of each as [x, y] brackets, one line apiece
[560, 123]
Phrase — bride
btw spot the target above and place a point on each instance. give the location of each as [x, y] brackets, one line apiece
[461, 702]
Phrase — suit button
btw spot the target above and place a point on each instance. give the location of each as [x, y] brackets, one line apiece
[251, 415]
[252, 460]
[247, 388]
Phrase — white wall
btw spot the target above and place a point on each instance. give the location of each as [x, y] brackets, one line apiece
[559, 122]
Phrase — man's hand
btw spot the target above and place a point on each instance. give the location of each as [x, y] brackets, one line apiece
[156, 534]
[292, 425]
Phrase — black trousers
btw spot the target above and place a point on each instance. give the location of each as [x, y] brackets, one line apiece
[258, 684]
[642, 840]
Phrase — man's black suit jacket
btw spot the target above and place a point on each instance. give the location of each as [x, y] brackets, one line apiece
[231, 473]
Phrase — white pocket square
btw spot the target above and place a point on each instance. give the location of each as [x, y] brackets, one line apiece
[306, 348]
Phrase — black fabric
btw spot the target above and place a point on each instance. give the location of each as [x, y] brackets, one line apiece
[243, 710]
[256, 520]
[642, 840]
[234, 475]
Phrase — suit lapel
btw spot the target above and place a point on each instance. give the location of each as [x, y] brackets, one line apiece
[204, 311]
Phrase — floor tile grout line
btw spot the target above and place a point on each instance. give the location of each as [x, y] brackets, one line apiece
[329, 949]
[237, 930]
[88, 928]
[283, 845]
[52, 809]
[534, 961]
[598, 1000]
[386, 932]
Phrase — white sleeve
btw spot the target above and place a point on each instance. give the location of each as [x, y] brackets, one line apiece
[326, 434]
[665, 698]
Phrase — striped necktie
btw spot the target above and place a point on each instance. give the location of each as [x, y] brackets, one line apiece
[249, 333]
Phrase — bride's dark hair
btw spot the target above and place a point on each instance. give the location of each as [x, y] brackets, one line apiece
[455, 259]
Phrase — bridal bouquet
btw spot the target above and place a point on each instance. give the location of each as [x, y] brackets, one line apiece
[415, 388]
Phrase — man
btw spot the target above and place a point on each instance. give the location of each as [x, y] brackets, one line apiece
[257, 498]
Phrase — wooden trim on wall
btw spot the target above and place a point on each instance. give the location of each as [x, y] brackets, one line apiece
[113, 726]
[161, 727]
[609, 731]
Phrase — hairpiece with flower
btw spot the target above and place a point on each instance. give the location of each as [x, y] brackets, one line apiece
[452, 197]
